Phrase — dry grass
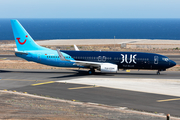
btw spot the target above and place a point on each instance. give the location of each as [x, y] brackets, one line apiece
[22, 64]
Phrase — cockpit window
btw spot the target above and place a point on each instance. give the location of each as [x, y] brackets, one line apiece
[165, 59]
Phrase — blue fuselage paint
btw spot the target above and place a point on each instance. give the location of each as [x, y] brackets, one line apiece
[124, 60]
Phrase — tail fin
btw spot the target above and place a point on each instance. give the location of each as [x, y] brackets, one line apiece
[24, 41]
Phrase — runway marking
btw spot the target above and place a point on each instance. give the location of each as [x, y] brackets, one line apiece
[83, 87]
[166, 100]
[43, 83]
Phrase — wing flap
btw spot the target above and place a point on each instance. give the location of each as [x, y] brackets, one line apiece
[87, 63]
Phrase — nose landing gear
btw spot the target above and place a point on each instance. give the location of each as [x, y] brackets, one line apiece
[158, 72]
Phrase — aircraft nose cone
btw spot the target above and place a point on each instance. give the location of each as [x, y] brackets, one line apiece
[172, 63]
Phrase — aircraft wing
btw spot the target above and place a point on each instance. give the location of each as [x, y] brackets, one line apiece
[80, 63]
[87, 63]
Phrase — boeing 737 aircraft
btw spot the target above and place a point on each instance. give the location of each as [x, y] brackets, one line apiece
[106, 62]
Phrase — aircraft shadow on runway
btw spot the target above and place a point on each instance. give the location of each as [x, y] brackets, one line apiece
[82, 73]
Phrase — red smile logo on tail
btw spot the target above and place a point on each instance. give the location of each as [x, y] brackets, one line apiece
[21, 43]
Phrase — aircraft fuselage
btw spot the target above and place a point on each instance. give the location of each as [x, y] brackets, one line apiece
[124, 60]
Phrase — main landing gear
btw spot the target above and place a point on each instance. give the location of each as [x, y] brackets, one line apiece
[91, 71]
[158, 72]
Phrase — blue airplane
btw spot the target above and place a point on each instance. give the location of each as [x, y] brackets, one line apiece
[105, 62]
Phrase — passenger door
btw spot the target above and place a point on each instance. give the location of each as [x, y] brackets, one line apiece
[39, 57]
[155, 59]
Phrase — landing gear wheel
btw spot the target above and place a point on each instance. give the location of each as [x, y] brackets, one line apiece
[158, 72]
[91, 71]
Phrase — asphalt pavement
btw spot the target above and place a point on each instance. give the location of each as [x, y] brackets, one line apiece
[48, 83]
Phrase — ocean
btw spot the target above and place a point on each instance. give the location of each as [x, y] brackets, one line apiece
[45, 29]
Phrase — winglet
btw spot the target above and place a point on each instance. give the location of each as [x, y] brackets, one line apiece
[61, 56]
[76, 48]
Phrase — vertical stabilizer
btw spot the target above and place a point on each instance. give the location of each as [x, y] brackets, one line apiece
[24, 41]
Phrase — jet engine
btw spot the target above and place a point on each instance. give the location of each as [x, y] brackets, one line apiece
[108, 68]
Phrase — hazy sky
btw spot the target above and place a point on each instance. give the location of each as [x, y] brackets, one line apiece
[89, 8]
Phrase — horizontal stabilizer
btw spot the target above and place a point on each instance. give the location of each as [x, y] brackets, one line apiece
[21, 52]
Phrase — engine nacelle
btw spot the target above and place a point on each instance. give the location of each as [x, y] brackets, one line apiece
[108, 68]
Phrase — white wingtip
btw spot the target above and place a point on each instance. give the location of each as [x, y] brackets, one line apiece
[76, 48]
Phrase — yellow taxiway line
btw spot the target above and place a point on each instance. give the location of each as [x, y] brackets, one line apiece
[83, 87]
[3, 58]
[24, 80]
[166, 100]
[43, 83]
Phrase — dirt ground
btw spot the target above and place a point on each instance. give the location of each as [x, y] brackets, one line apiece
[25, 106]
[7, 46]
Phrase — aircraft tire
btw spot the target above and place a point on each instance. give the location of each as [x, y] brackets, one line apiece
[92, 71]
[158, 72]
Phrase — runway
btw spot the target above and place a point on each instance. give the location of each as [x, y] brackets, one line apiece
[109, 89]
